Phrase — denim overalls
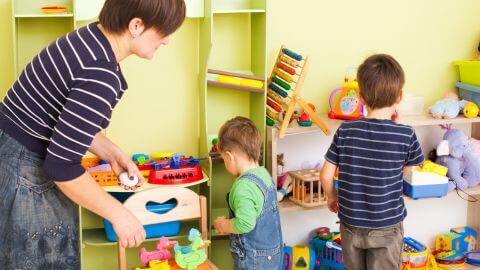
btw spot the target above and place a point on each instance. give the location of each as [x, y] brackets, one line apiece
[260, 249]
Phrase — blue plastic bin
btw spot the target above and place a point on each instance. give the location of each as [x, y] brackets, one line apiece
[424, 191]
[469, 92]
[154, 230]
[328, 258]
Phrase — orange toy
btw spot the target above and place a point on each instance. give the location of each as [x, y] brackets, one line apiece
[348, 105]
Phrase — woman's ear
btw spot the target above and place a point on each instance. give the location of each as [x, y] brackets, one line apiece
[136, 27]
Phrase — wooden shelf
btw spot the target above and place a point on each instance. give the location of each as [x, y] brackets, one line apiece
[414, 121]
[44, 15]
[287, 205]
[236, 87]
[96, 237]
[147, 185]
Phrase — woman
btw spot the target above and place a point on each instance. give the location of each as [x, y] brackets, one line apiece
[52, 115]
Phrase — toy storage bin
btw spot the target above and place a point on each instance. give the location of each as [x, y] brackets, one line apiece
[152, 230]
[328, 256]
[424, 191]
[469, 92]
[103, 178]
[469, 72]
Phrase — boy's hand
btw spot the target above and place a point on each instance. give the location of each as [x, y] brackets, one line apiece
[332, 203]
[223, 225]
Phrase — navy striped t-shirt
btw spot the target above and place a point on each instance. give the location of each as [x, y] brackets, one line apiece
[370, 155]
[63, 97]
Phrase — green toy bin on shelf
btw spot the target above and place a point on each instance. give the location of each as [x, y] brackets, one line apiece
[469, 71]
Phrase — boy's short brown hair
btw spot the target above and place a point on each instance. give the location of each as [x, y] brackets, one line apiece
[381, 79]
[165, 16]
[240, 134]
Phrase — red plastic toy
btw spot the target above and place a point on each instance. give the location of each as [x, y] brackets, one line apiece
[173, 171]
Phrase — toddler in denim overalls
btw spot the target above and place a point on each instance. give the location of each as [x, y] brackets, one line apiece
[254, 222]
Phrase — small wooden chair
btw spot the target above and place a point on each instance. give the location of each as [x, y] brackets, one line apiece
[189, 206]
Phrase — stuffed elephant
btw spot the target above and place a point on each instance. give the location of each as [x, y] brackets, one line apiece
[456, 153]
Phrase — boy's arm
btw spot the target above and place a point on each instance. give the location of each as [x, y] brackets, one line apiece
[326, 177]
[407, 170]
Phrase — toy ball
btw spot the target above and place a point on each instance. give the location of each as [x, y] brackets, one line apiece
[129, 181]
[470, 110]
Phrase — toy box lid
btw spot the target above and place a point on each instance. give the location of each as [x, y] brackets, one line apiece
[418, 178]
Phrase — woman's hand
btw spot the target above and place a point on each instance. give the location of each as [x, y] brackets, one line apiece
[129, 230]
[121, 163]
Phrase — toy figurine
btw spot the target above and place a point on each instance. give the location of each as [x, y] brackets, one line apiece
[193, 255]
[160, 254]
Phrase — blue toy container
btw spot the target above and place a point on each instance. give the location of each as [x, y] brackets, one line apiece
[154, 230]
[469, 92]
[424, 191]
[329, 258]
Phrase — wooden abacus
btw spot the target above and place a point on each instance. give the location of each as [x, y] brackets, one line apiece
[305, 192]
[282, 82]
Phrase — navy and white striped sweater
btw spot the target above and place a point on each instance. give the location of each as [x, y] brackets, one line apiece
[370, 155]
[63, 98]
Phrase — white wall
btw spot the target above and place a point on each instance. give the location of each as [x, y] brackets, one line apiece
[426, 217]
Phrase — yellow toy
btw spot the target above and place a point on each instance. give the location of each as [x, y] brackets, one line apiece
[156, 265]
[163, 155]
[240, 81]
[470, 110]
[429, 166]
[299, 257]
[348, 105]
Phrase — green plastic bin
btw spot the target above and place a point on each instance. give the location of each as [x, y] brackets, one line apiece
[469, 71]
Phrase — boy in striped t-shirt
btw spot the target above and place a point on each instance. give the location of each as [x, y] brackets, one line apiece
[371, 155]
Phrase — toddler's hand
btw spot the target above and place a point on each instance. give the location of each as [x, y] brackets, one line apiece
[332, 203]
[220, 224]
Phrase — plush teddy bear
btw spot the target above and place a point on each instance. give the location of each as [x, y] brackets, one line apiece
[456, 153]
[449, 107]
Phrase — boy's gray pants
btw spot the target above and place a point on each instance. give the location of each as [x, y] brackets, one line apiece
[372, 249]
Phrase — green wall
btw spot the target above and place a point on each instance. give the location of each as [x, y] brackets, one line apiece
[6, 47]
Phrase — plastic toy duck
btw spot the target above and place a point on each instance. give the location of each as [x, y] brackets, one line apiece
[193, 255]
[161, 253]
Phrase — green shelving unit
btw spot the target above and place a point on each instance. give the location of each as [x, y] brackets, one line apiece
[232, 39]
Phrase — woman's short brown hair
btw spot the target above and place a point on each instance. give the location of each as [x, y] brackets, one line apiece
[240, 134]
[381, 79]
[165, 16]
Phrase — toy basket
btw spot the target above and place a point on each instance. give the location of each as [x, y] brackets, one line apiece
[418, 260]
[328, 254]
[469, 92]
[103, 178]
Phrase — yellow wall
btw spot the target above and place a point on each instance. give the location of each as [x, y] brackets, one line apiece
[424, 36]
[159, 111]
[6, 51]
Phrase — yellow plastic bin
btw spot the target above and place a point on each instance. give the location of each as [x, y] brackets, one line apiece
[469, 71]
